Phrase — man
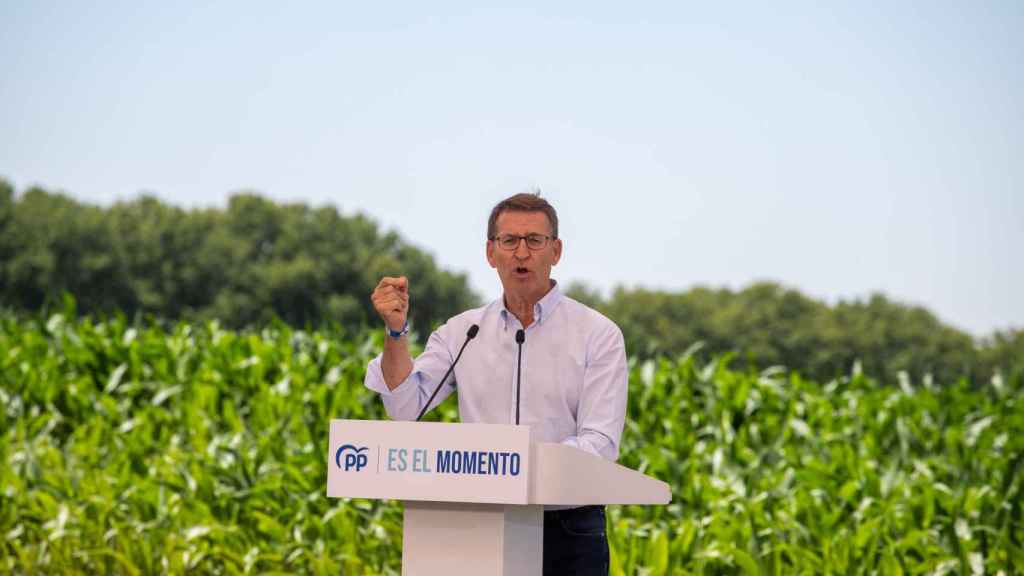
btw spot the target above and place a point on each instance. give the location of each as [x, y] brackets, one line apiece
[574, 374]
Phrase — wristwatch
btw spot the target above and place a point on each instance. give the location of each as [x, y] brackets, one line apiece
[397, 334]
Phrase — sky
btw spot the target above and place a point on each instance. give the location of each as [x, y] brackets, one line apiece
[838, 148]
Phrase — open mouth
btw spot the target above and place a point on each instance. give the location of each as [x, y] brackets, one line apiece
[522, 270]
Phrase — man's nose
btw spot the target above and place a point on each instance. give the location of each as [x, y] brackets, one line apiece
[521, 252]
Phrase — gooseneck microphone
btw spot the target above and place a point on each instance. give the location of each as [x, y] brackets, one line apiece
[469, 336]
[520, 338]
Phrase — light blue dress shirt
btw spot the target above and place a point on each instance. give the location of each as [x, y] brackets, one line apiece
[574, 373]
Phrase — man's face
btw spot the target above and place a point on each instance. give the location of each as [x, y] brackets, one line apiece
[524, 273]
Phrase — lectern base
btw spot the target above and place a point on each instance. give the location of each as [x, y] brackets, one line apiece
[446, 538]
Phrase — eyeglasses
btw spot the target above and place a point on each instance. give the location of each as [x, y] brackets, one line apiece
[511, 241]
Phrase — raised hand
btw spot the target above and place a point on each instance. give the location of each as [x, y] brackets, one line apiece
[391, 300]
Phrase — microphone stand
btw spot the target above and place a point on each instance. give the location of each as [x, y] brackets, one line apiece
[469, 336]
[520, 338]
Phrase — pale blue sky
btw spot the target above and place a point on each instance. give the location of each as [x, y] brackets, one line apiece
[840, 148]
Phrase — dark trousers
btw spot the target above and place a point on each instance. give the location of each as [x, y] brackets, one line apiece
[575, 542]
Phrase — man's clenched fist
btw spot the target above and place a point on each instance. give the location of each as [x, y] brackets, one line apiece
[391, 300]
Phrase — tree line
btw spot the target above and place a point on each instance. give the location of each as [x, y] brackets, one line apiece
[766, 324]
[256, 260]
[246, 264]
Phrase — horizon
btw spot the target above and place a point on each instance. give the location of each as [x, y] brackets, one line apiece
[604, 293]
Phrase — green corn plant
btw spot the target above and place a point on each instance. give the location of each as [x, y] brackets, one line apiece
[131, 448]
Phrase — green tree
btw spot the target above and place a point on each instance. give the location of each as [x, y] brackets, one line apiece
[252, 262]
[767, 324]
[1003, 353]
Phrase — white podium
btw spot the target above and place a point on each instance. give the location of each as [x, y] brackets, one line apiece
[474, 494]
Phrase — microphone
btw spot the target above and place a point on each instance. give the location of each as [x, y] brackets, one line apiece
[520, 338]
[469, 336]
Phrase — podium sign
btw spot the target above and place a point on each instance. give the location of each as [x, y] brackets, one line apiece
[429, 461]
[474, 494]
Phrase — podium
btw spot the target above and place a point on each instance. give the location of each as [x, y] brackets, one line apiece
[474, 494]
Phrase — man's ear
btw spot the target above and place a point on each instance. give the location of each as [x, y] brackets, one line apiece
[558, 251]
[489, 250]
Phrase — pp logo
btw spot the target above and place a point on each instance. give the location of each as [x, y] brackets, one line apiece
[354, 458]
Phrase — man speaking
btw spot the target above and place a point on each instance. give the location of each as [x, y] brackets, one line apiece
[538, 358]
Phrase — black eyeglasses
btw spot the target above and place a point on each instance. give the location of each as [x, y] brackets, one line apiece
[511, 241]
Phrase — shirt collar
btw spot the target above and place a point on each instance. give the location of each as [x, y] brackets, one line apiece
[541, 309]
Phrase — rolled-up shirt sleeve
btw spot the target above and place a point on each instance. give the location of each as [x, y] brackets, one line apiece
[408, 398]
[602, 408]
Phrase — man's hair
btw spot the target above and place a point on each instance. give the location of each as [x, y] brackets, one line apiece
[523, 202]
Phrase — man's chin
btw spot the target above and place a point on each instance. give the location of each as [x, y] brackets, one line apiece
[524, 287]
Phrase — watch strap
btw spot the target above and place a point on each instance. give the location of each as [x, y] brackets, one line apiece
[396, 334]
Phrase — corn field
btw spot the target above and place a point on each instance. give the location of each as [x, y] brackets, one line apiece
[135, 449]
